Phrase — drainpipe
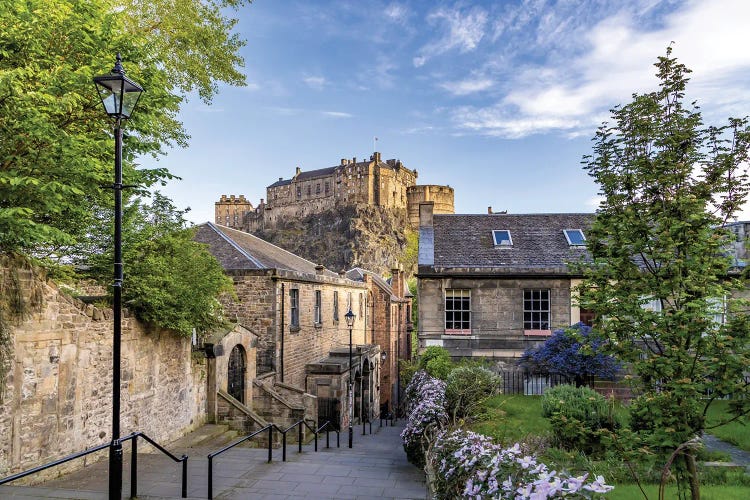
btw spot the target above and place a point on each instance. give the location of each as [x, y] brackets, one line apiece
[282, 332]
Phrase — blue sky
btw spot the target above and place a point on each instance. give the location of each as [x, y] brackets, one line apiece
[498, 99]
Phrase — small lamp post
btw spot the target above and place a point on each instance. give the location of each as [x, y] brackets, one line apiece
[350, 323]
[119, 96]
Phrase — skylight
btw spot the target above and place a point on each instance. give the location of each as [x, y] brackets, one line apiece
[502, 238]
[575, 237]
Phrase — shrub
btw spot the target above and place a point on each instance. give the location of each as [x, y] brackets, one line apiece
[576, 352]
[425, 400]
[468, 386]
[577, 414]
[436, 361]
[469, 465]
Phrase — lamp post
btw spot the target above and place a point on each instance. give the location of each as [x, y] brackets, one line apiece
[350, 323]
[119, 96]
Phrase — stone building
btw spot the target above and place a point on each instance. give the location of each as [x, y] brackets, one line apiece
[296, 309]
[389, 326]
[372, 182]
[231, 210]
[492, 285]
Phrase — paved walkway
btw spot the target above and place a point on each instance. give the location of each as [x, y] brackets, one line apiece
[738, 455]
[376, 467]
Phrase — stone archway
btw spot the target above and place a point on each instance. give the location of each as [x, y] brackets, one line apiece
[236, 370]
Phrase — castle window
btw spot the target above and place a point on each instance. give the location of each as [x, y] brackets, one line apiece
[317, 188]
[299, 191]
[335, 306]
[327, 187]
[309, 190]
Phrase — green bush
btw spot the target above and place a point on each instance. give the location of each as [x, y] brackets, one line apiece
[577, 415]
[468, 388]
[436, 361]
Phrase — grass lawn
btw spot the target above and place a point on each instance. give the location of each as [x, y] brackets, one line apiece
[631, 491]
[511, 418]
[737, 432]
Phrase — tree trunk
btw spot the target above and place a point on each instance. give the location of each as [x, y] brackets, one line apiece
[695, 487]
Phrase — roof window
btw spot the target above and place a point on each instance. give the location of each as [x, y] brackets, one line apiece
[575, 237]
[502, 238]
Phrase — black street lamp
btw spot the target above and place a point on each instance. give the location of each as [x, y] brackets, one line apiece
[350, 323]
[119, 96]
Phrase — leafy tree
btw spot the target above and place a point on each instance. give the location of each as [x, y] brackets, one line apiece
[56, 147]
[171, 281]
[576, 352]
[669, 184]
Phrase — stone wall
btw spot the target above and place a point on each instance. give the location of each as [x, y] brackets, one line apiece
[496, 314]
[57, 396]
[441, 196]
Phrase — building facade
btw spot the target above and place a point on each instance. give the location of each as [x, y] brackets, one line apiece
[297, 311]
[493, 285]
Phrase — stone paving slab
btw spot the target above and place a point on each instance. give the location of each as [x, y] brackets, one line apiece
[376, 467]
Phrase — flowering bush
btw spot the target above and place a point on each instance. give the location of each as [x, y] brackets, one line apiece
[425, 400]
[469, 465]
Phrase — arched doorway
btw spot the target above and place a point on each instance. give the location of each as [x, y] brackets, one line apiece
[236, 374]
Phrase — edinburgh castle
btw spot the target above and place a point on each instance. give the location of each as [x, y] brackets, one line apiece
[352, 183]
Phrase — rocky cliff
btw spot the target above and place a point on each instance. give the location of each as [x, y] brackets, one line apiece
[374, 238]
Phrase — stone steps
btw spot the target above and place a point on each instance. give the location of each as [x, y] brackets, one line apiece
[207, 436]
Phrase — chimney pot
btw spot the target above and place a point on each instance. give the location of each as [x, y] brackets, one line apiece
[489, 210]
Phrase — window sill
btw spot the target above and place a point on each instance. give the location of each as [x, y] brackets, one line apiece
[457, 332]
[318, 325]
[294, 328]
[537, 333]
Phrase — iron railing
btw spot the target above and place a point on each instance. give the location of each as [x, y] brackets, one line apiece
[327, 427]
[133, 462]
[532, 383]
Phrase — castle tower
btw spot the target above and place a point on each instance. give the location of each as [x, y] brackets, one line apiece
[230, 210]
[441, 196]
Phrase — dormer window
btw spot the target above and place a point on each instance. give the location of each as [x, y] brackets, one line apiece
[575, 237]
[502, 238]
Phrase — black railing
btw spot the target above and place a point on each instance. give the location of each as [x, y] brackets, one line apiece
[327, 427]
[133, 461]
[531, 383]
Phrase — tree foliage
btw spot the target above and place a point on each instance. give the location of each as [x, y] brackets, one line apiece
[576, 352]
[56, 151]
[56, 144]
[669, 183]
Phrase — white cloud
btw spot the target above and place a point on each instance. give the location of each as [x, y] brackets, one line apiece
[397, 13]
[337, 114]
[464, 32]
[315, 82]
[468, 86]
[586, 66]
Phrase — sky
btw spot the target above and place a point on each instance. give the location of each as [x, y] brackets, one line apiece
[497, 99]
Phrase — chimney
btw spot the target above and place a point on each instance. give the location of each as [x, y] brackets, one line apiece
[397, 281]
[376, 157]
[281, 179]
[344, 161]
[354, 159]
[319, 269]
[489, 210]
[298, 171]
[426, 252]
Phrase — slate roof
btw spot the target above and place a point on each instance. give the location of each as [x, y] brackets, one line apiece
[465, 241]
[237, 250]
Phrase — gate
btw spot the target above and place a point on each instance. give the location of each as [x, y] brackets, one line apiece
[328, 411]
[236, 374]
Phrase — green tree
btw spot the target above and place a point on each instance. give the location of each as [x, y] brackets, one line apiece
[171, 281]
[56, 151]
[669, 184]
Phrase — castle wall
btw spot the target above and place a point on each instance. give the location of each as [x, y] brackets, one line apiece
[57, 395]
[230, 210]
[441, 196]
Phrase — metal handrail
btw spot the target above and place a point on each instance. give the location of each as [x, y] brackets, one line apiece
[134, 462]
[270, 428]
[53, 464]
